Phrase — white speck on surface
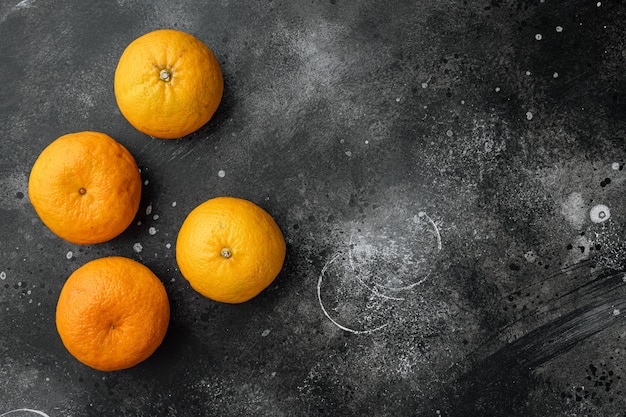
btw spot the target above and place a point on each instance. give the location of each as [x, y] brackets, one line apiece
[616, 312]
[152, 231]
[168, 245]
[559, 29]
[424, 85]
[599, 213]
[615, 166]
[497, 89]
[221, 173]
[139, 223]
[3, 275]
[69, 254]
[265, 332]
[155, 217]
[538, 36]
[598, 4]
[449, 133]
[137, 247]
[149, 209]
[530, 256]
[173, 203]
[555, 75]
[529, 115]
[348, 153]
[398, 99]
[528, 73]
[146, 182]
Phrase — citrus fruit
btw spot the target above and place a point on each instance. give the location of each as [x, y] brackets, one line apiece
[168, 83]
[112, 313]
[229, 249]
[85, 187]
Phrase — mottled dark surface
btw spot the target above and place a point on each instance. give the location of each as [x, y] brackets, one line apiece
[434, 166]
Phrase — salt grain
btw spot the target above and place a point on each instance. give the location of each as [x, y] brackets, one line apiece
[137, 247]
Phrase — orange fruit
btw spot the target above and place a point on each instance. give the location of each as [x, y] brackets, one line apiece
[229, 249]
[168, 83]
[112, 313]
[85, 187]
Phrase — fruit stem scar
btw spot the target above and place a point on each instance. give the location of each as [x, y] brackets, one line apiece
[165, 75]
[226, 253]
[82, 191]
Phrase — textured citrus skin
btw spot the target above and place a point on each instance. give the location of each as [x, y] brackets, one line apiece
[246, 232]
[85, 187]
[112, 313]
[182, 102]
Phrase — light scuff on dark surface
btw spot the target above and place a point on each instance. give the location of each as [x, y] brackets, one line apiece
[449, 177]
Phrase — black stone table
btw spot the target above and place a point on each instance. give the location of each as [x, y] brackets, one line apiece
[449, 177]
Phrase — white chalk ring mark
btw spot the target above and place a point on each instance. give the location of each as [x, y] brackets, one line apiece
[319, 299]
[435, 228]
[27, 410]
[373, 290]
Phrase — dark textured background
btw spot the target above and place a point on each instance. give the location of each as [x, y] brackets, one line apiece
[435, 152]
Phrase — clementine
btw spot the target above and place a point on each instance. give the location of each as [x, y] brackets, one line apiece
[168, 83]
[112, 313]
[230, 249]
[85, 187]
